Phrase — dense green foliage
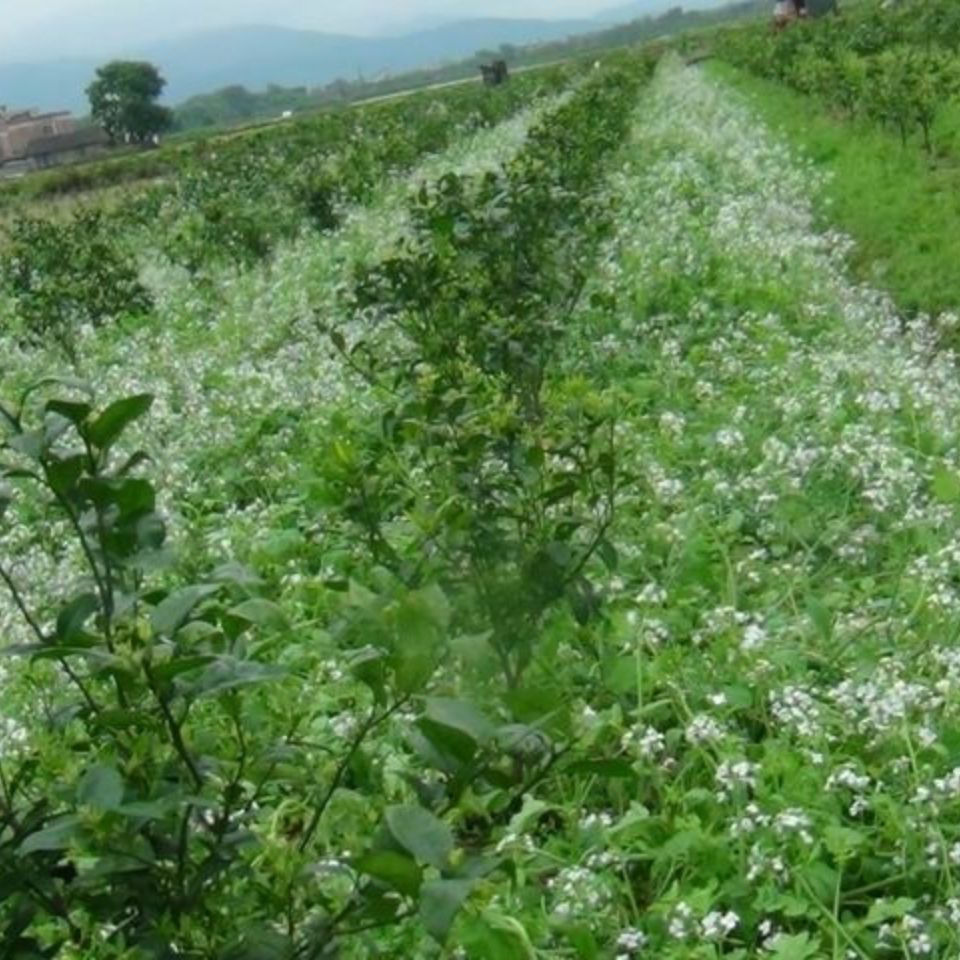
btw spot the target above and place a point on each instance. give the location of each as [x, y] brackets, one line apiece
[64, 276]
[897, 66]
[233, 201]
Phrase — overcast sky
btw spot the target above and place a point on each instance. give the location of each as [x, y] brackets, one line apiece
[33, 29]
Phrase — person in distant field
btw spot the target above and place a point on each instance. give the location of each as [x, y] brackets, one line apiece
[786, 11]
[783, 12]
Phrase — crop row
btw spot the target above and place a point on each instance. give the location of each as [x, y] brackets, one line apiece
[898, 67]
[213, 781]
[233, 201]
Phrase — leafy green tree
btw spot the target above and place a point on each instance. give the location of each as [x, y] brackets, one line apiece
[123, 99]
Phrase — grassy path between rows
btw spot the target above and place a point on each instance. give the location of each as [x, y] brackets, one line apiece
[789, 599]
[903, 211]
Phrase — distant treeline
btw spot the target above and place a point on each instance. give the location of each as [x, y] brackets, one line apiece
[237, 105]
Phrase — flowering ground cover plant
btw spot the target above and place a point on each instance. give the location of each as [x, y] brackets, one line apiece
[552, 558]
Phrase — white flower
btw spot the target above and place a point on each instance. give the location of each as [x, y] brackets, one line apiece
[646, 740]
[754, 637]
[717, 926]
[703, 729]
[736, 773]
[631, 941]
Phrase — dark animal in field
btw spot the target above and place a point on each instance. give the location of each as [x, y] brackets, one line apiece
[494, 73]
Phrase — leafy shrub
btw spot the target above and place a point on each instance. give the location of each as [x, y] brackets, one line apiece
[65, 275]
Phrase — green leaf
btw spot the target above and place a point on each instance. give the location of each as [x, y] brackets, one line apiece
[165, 672]
[946, 485]
[260, 612]
[418, 636]
[882, 911]
[843, 842]
[101, 787]
[369, 666]
[439, 902]
[583, 941]
[821, 617]
[822, 879]
[421, 834]
[259, 944]
[76, 413]
[460, 715]
[496, 938]
[236, 574]
[148, 809]
[105, 430]
[793, 947]
[609, 556]
[228, 673]
[30, 444]
[74, 615]
[62, 475]
[394, 869]
[453, 747]
[171, 613]
[57, 836]
[606, 769]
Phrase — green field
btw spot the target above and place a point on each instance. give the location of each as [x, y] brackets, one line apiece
[510, 525]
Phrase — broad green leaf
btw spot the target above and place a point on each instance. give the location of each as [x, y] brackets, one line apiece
[433, 600]
[946, 485]
[611, 769]
[260, 612]
[439, 902]
[62, 475]
[416, 654]
[793, 947]
[394, 869]
[74, 615]
[493, 937]
[421, 834]
[31, 444]
[172, 612]
[843, 842]
[76, 413]
[882, 911]
[165, 672]
[236, 574]
[228, 673]
[460, 715]
[455, 748]
[821, 617]
[262, 943]
[105, 430]
[584, 942]
[369, 666]
[822, 878]
[148, 809]
[101, 787]
[57, 836]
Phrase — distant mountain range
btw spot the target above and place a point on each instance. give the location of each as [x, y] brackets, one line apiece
[257, 56]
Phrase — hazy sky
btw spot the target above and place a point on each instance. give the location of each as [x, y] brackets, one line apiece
[31, 29]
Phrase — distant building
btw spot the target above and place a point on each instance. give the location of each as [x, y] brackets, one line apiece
[33, 141]
[19, 128]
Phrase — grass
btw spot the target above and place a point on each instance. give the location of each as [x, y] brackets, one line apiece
[902, 210]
